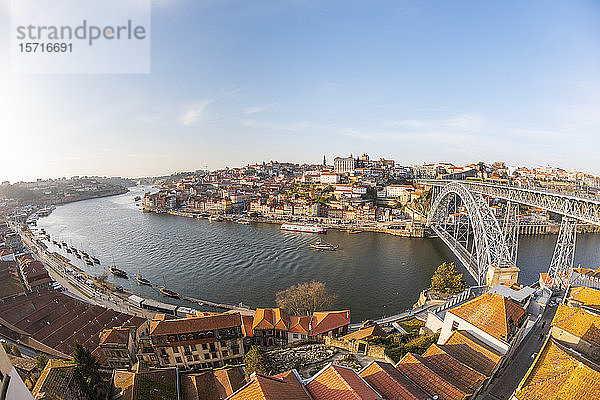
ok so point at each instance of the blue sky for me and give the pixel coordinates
(235, 82)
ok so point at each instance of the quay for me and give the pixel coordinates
(241, 309)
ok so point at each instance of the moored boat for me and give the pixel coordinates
(142, 281)
(88, 262)
(351, 231)
(303, 228)
(168, 292)
(118, 272)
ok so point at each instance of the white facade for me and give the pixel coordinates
(294, 337)
(328, 178)
(343, 165)
(453, 322)
(400, 192)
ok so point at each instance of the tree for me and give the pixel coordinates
(16, 351)
(255, 361)
(40, 362)
(87, 369)
(447, 279)
(305, 298)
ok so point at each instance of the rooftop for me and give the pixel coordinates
(195, 324)
(390, 382)
(586, 296)
(325, 321)
(492, 313)
(335, 382)
(270, 318)
(579, 322)
(287, 386)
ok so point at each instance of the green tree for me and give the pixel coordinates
(255, 361)
(41, 361)
(447, 279)
(16, 351)
(87, 369)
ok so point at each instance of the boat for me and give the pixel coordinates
(118, 272)
(320, 245)
(303, 228)
(55, 243)
(64, 244)
(137, 198)
(86, 255)
(95, 260)
(168, 292)
(242, 221)
(141, 280)
(88, 262)
(68, 250)
(77, 254)
(351, 231)
(215, 218)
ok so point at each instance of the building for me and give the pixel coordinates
(400, 192)
(491, 318)
(270, 327)
(578, 329)
(298, 328)
(118, 346)
(57, 381)
(344, 165)
(211, 385)
(11, 385)
(198, 342)
(288, 385)
(390, 382)
(329, 178)
(584, 297)
(329, 323)
(559, 373)
(340, 383)
(142, 385)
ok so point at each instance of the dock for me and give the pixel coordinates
(240, 309)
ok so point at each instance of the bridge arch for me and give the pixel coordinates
(466, 223)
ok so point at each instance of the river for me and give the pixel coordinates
(373, 274)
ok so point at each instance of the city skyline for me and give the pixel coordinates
(233, 83)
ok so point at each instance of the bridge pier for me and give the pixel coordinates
(561, 265)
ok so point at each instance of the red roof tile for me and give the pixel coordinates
(325, 321)
(340, 383)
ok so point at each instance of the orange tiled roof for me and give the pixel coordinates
(492, 313)
(452, 370)
(115, 336)
(247, 325)
(325, 321)
(340, 383)
(365, 333)
(299, 324)
(417, 371)
(283, 386)
(579, 322)
(270, 318)
(473, 352)
(558, 374)
(391, 383)
(586, 296)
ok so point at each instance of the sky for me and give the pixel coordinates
(237, 82)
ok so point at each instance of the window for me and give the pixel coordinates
(204, 346)
(295, 335)
(207, 356)
(175, 349)
(178, 359)
(454, 325)
(225, 353)
(196, 358)
(189, 358)
(236, 349)
(223, 343)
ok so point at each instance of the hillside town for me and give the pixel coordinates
(68, 335)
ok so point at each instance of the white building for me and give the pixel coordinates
(329, 178)
(400, 192)
(344, 165)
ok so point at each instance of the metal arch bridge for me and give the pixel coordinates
(461, 217)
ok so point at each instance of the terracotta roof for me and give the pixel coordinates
(115, 336)
(556, 373)
(340, 383)
(452, 370)
(492, 313)
(270, 318)
(286, 386)
(473, 352)
(247, 325)
(390, 382)
(579, 322)
(55, 382)
(586, 296)
(196, 324)
(299, 324)
(211, 385)
(417, 371)
(22, 363)
(325, 321)
(365, 333)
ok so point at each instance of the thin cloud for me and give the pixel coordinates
(196, 113)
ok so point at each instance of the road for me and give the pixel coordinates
(504, 384)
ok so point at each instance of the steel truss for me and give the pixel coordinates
(564, 254)
(465, 222)
(510, 228)
(582, 207)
